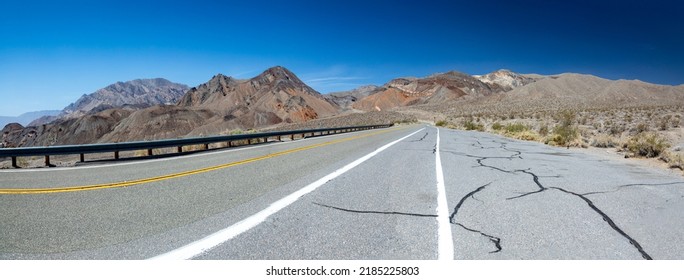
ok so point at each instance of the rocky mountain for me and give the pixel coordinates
(141, 93)
(507, 79)
(587, 91)
(26, 118)
(222, 104)
(433, 89)
(276, 95)
(345, 99)
(504, 90)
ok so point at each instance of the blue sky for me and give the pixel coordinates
(53, 52)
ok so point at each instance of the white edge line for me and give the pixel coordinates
(445, 249)
(200, 246)
(141, 161)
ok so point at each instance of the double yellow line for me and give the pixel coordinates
(180, 174)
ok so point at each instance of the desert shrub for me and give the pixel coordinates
(497, 126)
(528, 135)
(584, 120)
(516, 128)
(646, 145)
(554, 140)
(405, 121)
(674, 122)
(544, 130)
(565, 132)
(469, 125)
(567, 118)
(673, 160)
(441, 123)
(235, 132)
(663, 124)
(641, 127)
(616, 129)
(604, 141)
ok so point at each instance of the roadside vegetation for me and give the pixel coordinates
(635, 132)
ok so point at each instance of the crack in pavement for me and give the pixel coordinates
(535, 178)
(591, 204)
(376, 212)
(542, 188)
(495, 240)
(482, 147)
(479, 160)
(421, 139)
(610, 222)
(633, 185)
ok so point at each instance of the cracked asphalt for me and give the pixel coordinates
(508, 199)
(524, 200)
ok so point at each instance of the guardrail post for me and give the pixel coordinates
(47, 160)
(278, 137)
(230, 144)
(116, 154)
(82, 158)
(180, 149)
(206, 146)
(149, 152)
(265, 139)
(14, 162)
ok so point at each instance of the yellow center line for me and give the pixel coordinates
(180, 174)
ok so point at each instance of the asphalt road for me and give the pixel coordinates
(363, 195)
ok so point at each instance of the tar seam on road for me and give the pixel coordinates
(177, 175)
(445, 246)
(207, 243)
(375, 212)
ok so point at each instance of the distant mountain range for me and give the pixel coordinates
(135, 94)
(159, 109)
(220, 105)
(26, 118)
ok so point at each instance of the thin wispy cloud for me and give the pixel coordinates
(332, 84)
(336, 78)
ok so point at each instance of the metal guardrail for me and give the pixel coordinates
(179, 143)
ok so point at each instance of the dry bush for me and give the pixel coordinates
(673, 160)
(616, 129)
(604, 141)
(641, 127)
(565, 133)
(646, 145)
(544, 130)
(470, 125)
(516, 128)
(528, 135)
(441, 123)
